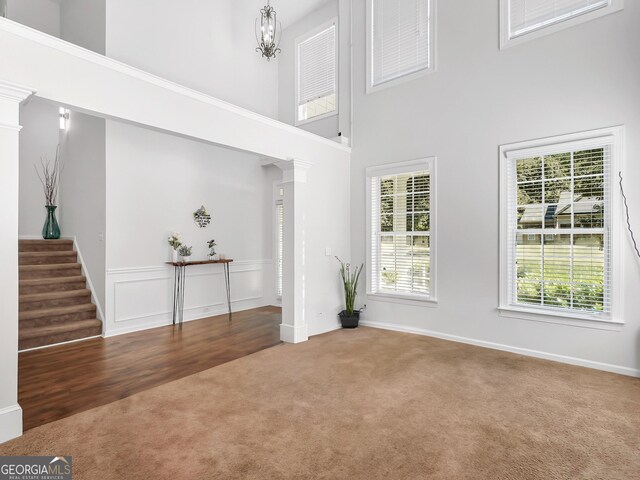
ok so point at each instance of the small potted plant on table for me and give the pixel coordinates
(349, 317)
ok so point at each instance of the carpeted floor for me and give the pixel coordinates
(361, 404)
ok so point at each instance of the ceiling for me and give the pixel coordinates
(290, 11)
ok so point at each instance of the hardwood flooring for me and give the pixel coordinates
(56, 382)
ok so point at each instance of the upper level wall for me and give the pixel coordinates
(43, 15)
(207, 46)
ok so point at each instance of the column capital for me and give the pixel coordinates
(15, 93)
(293, 170)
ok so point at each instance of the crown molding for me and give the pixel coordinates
(15, 93)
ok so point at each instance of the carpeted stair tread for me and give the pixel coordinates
(26, 333)
(45, 245)
(51, 335)
(47, 258)
(53, 270)
(53, 312)
(37, 301)
(51, 284)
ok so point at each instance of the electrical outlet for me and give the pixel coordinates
(328, 252)
(101, 236)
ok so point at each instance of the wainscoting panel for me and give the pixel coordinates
(141, 298)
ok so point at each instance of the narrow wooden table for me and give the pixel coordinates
(179, 270)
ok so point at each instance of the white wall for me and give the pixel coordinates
(583, 78)
(43, 15)
(83, 22)
(208, 46)
(82, 194)
(155, 182)
(39, 138)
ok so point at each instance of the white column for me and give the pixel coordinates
(10, 411)
(294, 180)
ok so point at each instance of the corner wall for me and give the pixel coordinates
(582, 78)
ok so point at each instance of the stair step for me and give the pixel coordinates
(39, 301)
(45, 245)
(56, 315)
(49, 335)
(45, 285)
(48, 271)
(47, 258)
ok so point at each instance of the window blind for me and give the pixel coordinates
(559, 222)
(279, 246)
(528, 15)
(317, 66)
(400, 233)
(400, 38)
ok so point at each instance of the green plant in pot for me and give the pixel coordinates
(349, 317)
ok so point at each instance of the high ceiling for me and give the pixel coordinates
(290, 11)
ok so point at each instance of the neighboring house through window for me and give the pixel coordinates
(316, 74)
(401, 227)
(557, 242)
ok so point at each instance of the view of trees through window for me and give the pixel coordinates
(404, 241)
(560, 238)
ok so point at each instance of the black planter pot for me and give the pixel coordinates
(349, 321)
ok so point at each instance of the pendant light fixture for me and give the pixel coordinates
(268, 33)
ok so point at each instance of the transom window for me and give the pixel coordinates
(557, 209)
(401, 231)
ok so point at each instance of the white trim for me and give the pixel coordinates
(370, 88)
(41, 38)
(429, 164)
(611, 135)
(561, 318)
(302, 38)
(581, 362)
(506, 40)
(294, 333)
(7, 126)
(10, 423)
(13, 92)
(164, 268)
(85, 272)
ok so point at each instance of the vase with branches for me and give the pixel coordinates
(349, 317)
(49, 175)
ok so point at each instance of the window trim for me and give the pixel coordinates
(429, 164)
(506, 40)
(613, 136)
(302, 38)
(370, 87)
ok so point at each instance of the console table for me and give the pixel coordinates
(179, 270)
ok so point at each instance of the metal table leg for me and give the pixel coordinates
(182, 275)
(178, 294)
(227, 284)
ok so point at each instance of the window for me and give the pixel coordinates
(557, 245)
(316, 74)
(525, 19)
(401, 225)
(279, 246)
(400, 41)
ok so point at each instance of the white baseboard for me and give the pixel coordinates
(10, 423)
(293, 334)
(632, 372)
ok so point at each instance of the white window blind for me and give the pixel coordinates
(559, 223)
(316, 70)
(279, 246)
(528, 15)
(400, 260)
(400, 38)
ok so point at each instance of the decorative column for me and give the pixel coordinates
(10, 412)
(294, 181)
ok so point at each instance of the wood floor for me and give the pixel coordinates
(56, 382)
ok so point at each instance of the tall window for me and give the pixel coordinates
(401, 229)
(316, 74)
(557, 226)
(530, 18)
(279, 246)
(400, 38)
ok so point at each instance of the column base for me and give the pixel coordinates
(293, 334)
(10, 423)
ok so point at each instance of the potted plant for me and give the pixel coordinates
(349, 317)
(212, 250)
(175, 243)
(184, 252)
(49, 175)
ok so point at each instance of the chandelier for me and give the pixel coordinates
(269, 34)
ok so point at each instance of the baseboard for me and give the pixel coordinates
(293, 334)
(607, 367)
(10, 423)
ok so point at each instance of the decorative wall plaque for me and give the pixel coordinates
(201, 217)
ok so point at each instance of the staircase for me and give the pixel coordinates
(55, 304)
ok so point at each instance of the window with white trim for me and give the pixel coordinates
(279, 246)
(400, 40)
(316, 74)
(557, 249)
(401, 229)
(521, 19)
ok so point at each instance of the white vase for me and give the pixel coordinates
(174, 255)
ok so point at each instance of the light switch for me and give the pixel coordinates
(328, 252)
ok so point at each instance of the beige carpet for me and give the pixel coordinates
(361, 404)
